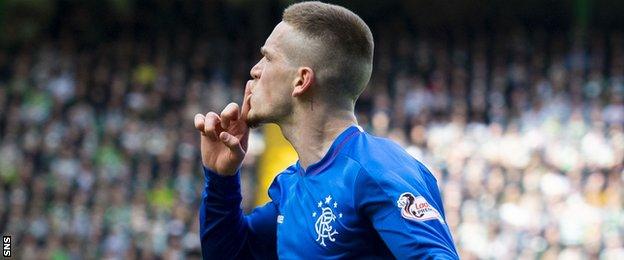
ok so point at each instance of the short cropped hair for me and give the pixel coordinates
(344, 56)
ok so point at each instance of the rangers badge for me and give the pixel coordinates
(325, 219)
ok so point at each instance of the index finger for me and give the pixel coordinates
(246, 100)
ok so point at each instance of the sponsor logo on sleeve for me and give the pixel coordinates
(416, 208)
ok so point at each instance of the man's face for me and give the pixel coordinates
(272, 80)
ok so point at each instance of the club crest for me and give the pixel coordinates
(325, 219)
(417, 208)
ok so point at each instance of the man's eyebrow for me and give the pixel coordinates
(267, 52)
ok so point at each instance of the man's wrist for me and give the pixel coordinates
(212, 176)
(224, 187)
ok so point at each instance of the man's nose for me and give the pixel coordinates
(256, 71)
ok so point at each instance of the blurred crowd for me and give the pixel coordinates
(523, 130)
(525, 137)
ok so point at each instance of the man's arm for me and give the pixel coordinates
(225, 232)
(407, 215)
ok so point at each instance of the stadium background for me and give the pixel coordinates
(516, 106)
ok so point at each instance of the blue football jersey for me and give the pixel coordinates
(366, 198)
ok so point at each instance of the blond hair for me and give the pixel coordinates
(343, 60)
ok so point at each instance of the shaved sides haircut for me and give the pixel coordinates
(339, 50)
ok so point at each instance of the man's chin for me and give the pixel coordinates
(253, 121)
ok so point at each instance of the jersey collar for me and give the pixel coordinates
(333, 151)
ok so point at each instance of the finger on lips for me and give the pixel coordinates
(214, 126)
(246, 97)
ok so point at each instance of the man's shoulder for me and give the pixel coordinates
(384, 161)
(378, 153)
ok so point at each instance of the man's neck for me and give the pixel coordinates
(313, 134)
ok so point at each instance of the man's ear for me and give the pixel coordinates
(303, 81)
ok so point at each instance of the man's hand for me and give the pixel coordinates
(224, 137)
